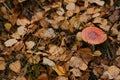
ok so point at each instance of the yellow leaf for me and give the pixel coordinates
(7, 26)
(59, 70)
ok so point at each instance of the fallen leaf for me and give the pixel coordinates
(45, 33)
(22, 30)
(97, 53)
(98, 2)
(49, 62)
(22, 21)
(16, 35)
(10, 42)
(59, 70)
(76, 72)
(60, 11)
(78, 63)
(70, 6)
(20, 78)
(86, 54)
(15, 66)
(2, 65)
(34, 59)
(115, 16)
(61, 78)
(78, 36)
(20, 1)
(7, 26)
(43, 77)
(30, 44)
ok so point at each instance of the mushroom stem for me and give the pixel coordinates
(93, 48)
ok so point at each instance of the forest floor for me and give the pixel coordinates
(42, 40)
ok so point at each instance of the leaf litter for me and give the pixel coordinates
(42, 40)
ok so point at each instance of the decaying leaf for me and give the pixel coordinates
(43, 77)
(18, 46)
(61, 78)
(22, 21)
(60, 11)
(112, 72)
(86, 54)
(70, 1)
(76, 72)
(70, 6)
(98, 2)
(15, 66)
(2, 65)
(118, 51)
(49, 62)
(115, 16)
(30, 44)
(22, 30)
(97, 53)
(20, 1)
(118, 36)
(16, 35)
(78, 36)
(34, 59)
(78, 63)
(45, 33)
(20, 78)
(10, 42)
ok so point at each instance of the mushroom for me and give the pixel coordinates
(93, 35)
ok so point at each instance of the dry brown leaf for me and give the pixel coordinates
(84, 18)
(118, 36)
(18, 46)
(2, 65)
(3, 10)
(69, 13)
(78, 36)
(1, 1)
(60, 11)
(97, 53)
(49, 62)
(30, 44)
(78, 63)
(70, 6)
(70, 1)
(61, 78)
(15, 66)
(43, 77)
(22, 21)
(20, 1)
(64, 25)
(10, 42)
(86, 54)
(21, 30)
(76, 72)
(115, 16)
(112, 72)
(98, 2)
(37, 17)
(34, 59)
(45, 33)
(16, 35)
(20, 78)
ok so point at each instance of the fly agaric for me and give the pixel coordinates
(93, 35)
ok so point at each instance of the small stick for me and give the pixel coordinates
(7, 7)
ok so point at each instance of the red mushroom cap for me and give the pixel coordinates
(93, 35)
